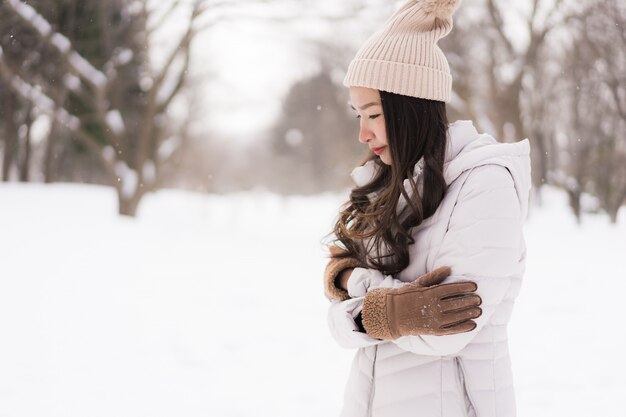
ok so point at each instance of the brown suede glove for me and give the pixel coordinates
(334, 267)
(423, 307)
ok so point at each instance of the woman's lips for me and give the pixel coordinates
(378, 151)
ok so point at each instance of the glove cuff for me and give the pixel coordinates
(334, 268)
(375, 320)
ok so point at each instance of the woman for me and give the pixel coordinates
(432, 231)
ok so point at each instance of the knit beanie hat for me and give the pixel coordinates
(403, 57)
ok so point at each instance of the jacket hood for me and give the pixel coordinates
(467, 149)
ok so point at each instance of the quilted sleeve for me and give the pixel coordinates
(343, 328)
(484, 244)
(342, 314)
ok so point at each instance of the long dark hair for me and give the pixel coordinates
(415, 127)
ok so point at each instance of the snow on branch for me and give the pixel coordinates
(149, 171)
(81, 69)
(37, 97)
(72, 82)
(78, 64)
(108, 153)
(120, 57)
(115, 122)
(127, 177)
(168, 147)
(50, 107)
(62, 44)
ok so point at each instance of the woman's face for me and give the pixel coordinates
(369, 110)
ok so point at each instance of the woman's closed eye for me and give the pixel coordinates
(373, 116)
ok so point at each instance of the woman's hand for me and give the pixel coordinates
(423, 307)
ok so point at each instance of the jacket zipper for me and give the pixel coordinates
(371, 401)
(469, 404)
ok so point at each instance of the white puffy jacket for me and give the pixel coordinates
(477, 231)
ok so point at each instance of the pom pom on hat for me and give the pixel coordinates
(442, 9)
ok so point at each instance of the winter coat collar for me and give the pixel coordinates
(467, 149)
(460, 134)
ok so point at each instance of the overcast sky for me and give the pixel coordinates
(249, 63)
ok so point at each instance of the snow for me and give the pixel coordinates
(108, 153)
(80, 64)
(61, 43)
(71, 81)
(212, 305)
(294, 137)
(149, 171)
(145, 83)
(44, 103)
(168, 147)
(127, 177)
(115, 121)
(87, 71)
(123, 56)
(29, 14)
(40, 129)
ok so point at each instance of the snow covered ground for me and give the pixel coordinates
(213, 306)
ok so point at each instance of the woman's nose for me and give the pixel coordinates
(365, 135)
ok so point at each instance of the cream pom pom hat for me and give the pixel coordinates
(403, 57)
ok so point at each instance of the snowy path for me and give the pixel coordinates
(212, 306)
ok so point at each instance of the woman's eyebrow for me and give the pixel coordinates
(374, 103)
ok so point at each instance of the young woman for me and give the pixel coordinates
(429, 252)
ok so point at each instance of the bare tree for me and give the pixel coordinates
(16, 115)
(494, 66)
(584, 109)
(131, 148)
(602, 46)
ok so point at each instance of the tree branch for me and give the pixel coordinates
(182, 76)
(533, 14)
(58, 113)
(498, 23)
(162, 18)
(182, 46)
(153, 106)
(614, 87)
(75, 61)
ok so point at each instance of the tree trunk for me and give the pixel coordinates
(128, 206)
(613, 209)
(613, 214)
(540, 157)
(574, 203)
(50, 156)
(10, 135)
(24, 161)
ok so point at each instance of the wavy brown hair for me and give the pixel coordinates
(415, 127)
